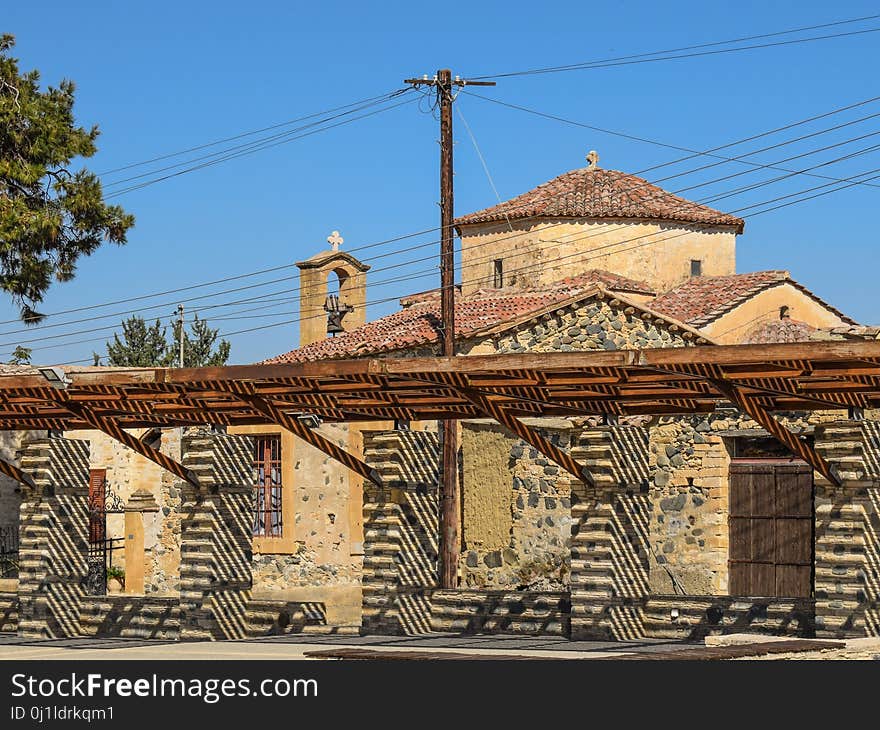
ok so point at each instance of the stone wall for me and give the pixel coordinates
(847, 574)
(696, 617)
(690, 463)
(400, 532)
(601, 323)
(8, 605)
(516, 509)
(541, 613)
(321, 535)
(609, 543)
(131, 617)
(215, 566)
(54, 538)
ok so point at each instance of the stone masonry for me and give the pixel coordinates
(847, 540)
(400, 532)
(54, 538)
(516, 509)
(609, 548)
(215, 566)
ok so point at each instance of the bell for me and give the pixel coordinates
(335, 313)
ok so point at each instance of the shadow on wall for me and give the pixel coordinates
(694, 618)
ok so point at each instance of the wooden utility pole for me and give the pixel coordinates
(450, 497)
(180, 322)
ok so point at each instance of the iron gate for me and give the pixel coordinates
(99, 561)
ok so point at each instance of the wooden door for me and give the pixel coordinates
(771, 529)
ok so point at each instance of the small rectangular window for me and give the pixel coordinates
(696, 267)
(498, 273)
(267, 486)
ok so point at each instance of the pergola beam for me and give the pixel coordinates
(12, 471)
(527, 434)
(114, 431)
(776, 429)
(274, 414)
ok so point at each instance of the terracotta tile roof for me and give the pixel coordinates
(780, 330)
(702, 299)
(9, 369)
(598, 193)
(417, 324)
(848, 332)
(791, 330)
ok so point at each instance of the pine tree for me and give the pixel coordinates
(140, 345)
(148, 346)
(49, 216)
(198, 344)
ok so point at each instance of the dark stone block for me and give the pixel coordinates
(673, 504)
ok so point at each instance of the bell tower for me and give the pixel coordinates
(332, 293)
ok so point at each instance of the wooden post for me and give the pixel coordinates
(450, 498)
(449, 493)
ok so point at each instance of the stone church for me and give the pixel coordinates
(676, 539)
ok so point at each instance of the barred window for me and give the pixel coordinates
(267, 486)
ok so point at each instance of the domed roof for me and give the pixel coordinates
(592, 192)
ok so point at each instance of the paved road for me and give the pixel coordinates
(295, 646)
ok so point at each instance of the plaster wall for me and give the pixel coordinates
(735, 326)
(540, 253)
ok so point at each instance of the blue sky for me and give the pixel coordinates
(162, 77)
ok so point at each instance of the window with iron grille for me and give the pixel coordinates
(267, 486)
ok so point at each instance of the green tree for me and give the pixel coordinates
(143, 345)
(20, 356)
(140, 345)
(49, 216)
(198, 346)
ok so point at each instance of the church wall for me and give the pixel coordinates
(737, 324)
(536, 254)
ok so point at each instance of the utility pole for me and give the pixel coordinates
(180, 321)
(450, 498)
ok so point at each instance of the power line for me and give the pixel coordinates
(665, 55)
(245, 152)
(367, 246)
(259, 142)
(693, 153)
(241, 135)
(592, 253)
(409, 262)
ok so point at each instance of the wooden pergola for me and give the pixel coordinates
(757, 379)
